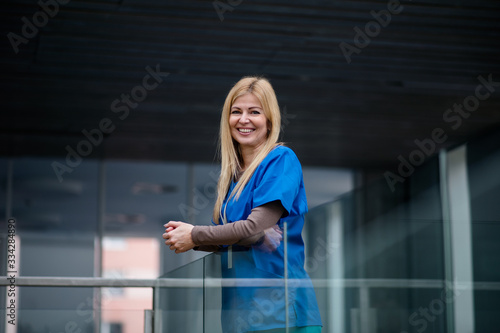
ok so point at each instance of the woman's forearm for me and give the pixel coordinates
(244, 232)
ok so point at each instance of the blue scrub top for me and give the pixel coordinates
(278, 177)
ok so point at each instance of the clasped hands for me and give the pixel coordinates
(178, 237)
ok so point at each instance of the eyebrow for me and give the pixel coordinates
(252, 107)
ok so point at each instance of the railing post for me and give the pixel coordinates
(148, 321)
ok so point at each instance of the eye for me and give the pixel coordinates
(255, 112)
(235, 112)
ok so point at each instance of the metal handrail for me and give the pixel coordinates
(34, 281)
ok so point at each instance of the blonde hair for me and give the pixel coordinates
(229, 149)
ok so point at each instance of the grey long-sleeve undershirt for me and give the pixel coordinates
(243, 232)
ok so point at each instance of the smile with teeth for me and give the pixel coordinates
(245, 130)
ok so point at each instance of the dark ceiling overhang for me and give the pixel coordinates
(348, 100)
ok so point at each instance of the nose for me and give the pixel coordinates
(244, 118)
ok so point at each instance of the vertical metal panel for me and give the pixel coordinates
(335, 266)
(459, 241)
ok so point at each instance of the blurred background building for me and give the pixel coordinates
(108, 130)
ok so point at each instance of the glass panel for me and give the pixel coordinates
(483, 165)
(398, 234)
(203, 194)
(375, 259)
(180, 309)
(63, 309)
(408, 309)
(122, 309)
(213, 293)
(56, 221)
(324, 185)
(242, 297)
(123, 258)
(50, 309)
(487, 308)
(131, 257)
(140, 198)
(484, 184)
(366, 251)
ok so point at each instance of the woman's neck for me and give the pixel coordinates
(248, 155)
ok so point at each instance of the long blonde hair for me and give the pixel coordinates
(229, 149)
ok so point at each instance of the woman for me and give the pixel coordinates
(260, 192)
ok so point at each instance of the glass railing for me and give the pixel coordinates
(61, 320)
(353, 296)
(419, 257)
(46, 304)
(374, 257)
(180, 308)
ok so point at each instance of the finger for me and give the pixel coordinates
(165, 236)
(278, 231)
(173, 224)
(180, 251)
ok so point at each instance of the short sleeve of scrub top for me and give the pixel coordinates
(279, 177)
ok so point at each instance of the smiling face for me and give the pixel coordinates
(248, 123)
